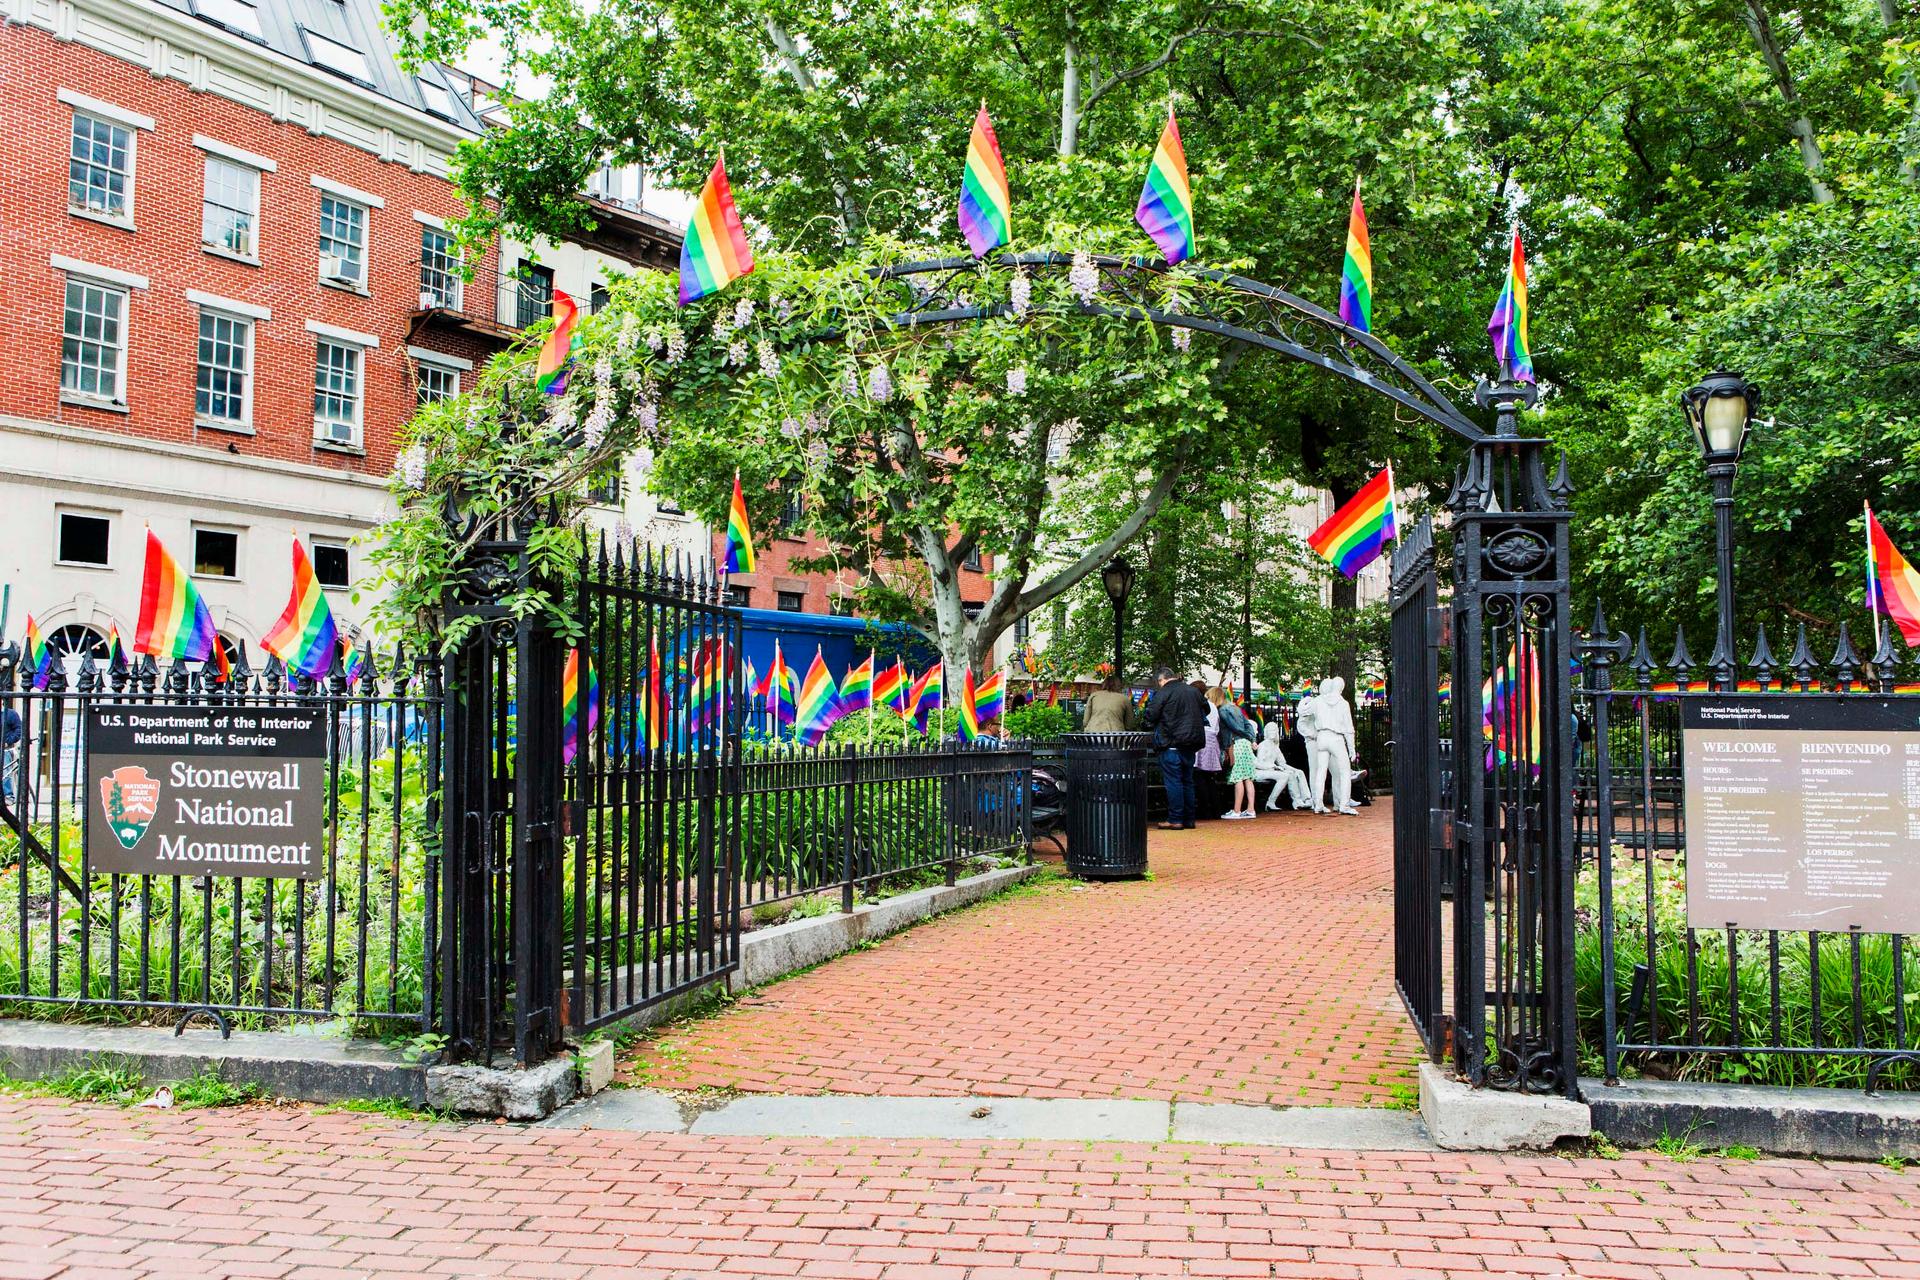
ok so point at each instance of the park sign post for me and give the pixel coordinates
(206, 791)
(1803, 813)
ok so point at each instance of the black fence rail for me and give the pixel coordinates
(844, 819)
(358, 942)
(1830, 1007)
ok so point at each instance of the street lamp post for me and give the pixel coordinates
(1720, 411)
(1117, 578)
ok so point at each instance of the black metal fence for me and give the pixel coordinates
(358, 942)
(1755, 1005)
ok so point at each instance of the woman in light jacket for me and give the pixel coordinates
(1236, 746)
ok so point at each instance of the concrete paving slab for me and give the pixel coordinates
(1320, 1128)
(1038, 1119)
(633, 1110)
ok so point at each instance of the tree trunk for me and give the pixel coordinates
(1910, 144)
(852, 221)
(1070, 95)
(1760, 27)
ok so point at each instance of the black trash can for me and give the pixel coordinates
(1106, 804)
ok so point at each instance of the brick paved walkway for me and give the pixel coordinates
(91, 1191)
(1256, 966)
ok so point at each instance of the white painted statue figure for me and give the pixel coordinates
(1326, 722)
(1269, 765)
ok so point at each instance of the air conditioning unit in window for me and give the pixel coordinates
(340, 271)
(337, 432)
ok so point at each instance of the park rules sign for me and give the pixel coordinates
(206, 791)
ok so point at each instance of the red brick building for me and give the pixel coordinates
(231, 286)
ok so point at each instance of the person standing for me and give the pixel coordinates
(1177, 716)
(1236, 744)
(1109, 709)
(1209, 760)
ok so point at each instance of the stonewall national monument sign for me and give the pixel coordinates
(1803, 812)
(215, 791)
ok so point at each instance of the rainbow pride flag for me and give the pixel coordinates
(1356, 273)
(819, 703)
(986, 202)
(580, 693)
(990, 699)
(116, 649)
(305, 637)
(714, 252)
(739, 533)
(39, 664)
(1508, 325)
(556, 353)
(890, 687)
(925, 697)
(707, 697)
(353, 662)
(776, 690)
(175, 624)
(1165, 211)
(653, 702)
(1510, 717)
(1355, 535)
(969, 709)
(1893, 588)
(856, 691)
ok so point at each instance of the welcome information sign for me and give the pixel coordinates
(206, 791)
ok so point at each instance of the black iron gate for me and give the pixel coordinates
(1420, 822)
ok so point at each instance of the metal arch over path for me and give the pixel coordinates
(1256, 314)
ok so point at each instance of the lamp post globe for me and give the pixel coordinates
(1719, 410)
(1117, 578)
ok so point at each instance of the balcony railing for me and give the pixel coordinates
(492, 303)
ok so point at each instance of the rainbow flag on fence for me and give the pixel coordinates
(986, 202)
(580, 694)
(1510, 716)
(352, 661)
(819, 703)
(116, 649)
(707, 696)
(925, 698)
(856, 691)
(776, 690)
(714, 252)
(305, 637)
(39, 664)
(1508, 325)
(653, 702)
(1165, 211)
(739, 533)
(890, 687)
(990, 699)
(556, 353)
(1893, 588)
(1355, 535)
(175, 624)
(1356, 273)
(969, 716)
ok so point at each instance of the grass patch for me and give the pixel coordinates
(390, 1108)
(208, 1090)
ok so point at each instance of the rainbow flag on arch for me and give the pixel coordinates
(986, 202)
(1356, 272)
(175, 624)
(714, 252)
(1508, 325)
(1165, 211)
(305, 637)
(1355, 535)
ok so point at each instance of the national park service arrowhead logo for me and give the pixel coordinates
(130, 796)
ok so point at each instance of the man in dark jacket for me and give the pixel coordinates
(1177, 715)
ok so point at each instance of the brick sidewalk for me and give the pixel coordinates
(1255, 967)
(92, 1191)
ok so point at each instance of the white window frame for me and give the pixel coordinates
(60, 513)
(73, 395)
(432, 226)
(239, 550)
(244, 423)
(440, 369)
(124, 218)
(315, 542)
(251, 254)
(323, 436)
(363, 286)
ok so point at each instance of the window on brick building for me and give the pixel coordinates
(435, 381)
(100, 173)
(738, 596)
(973, 560)
(216, 552)
(222, 390)
(439, 269)
(343, 242)
(235, 15)
(330, 564)
(790, 601)
(83, 539)
(230, 207)
(598, 299)
(439, 99)
(533, 294)
(337, 390)
(93, 344)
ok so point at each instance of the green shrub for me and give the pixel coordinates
(1037, 722)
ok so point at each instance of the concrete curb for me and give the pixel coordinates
(1836, 1124)
(1463, 1118)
